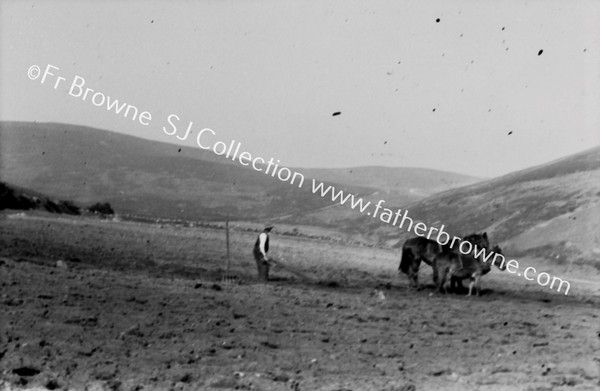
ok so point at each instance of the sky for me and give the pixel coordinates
(481, 88)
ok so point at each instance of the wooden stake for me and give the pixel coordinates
(227, 240)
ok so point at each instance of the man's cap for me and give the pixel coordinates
(268, 228)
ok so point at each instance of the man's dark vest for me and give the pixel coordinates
(257, 244)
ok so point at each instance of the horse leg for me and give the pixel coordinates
(475, 283)
(453, 283)
(413, 273)
(478, 285)
(436, 276)
(442, 279)
(407, 266)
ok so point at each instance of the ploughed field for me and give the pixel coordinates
(143, 307)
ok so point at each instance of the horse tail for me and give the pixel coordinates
(406, 260)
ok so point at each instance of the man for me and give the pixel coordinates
(261, 248)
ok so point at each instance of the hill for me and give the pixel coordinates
(142, 177)
(399, 185)
(550, 211)
(138, 176)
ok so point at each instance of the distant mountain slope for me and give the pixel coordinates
(139, 176)
(551, 211)
(405, 182)
(397, 186)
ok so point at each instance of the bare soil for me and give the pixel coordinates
(102, 305)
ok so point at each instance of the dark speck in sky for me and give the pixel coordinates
(509, 133)
(385, 142)
(437, 20)
(336, 113)
(540, 52)
(503, 28)
(179, 150)
(433, 109)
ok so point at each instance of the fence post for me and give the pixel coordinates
(227, 240)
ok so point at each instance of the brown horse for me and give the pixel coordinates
(419, 249)
(415, 250)
(486, 265)
(460, 266)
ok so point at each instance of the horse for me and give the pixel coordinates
(460, 266)
(415, 251)
(420, 249)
